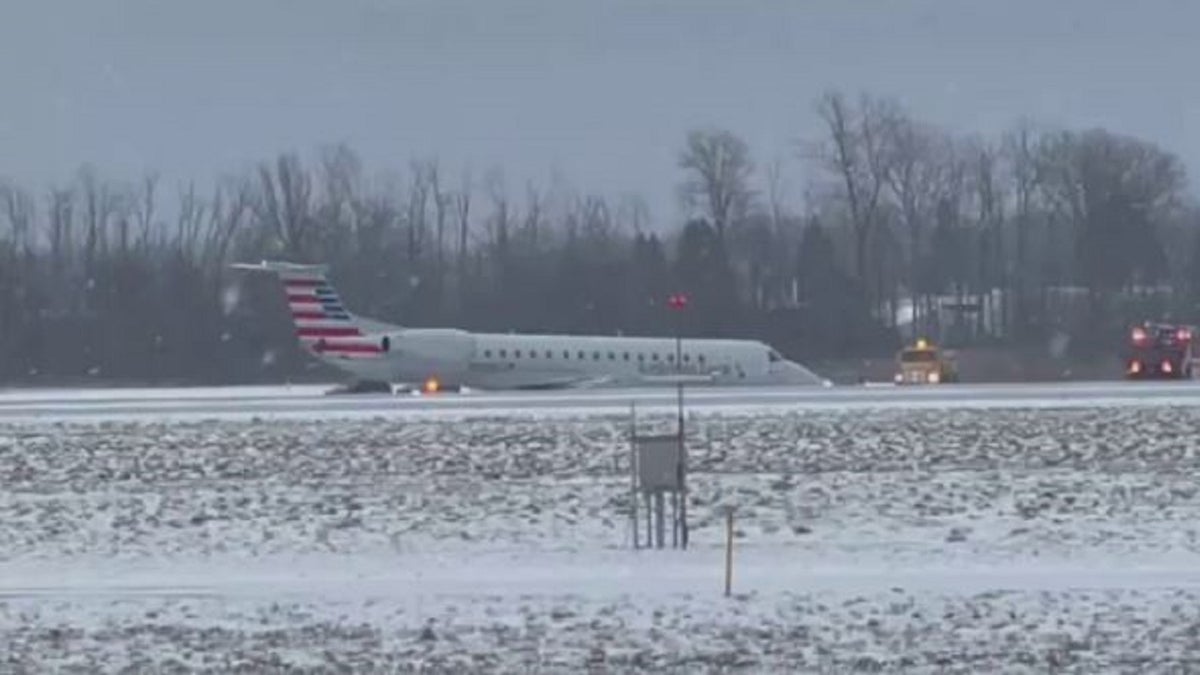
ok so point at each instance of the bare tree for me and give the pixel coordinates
(499, 224)
(1020, 148)
(62, 227)
(144, 212)
(20, 212)
(441, 205)
(189, 225)
(633, 211)
(915, 169)
(232, 205)
(1117, 191)
(340, 205)
(989, 200)
(98, 207)
(775, 193)
(855, 152)
(719, 169)
(341, 170)
(421, 193)
(535, 217)
(961, 266)
(462, 214)
(285, 205)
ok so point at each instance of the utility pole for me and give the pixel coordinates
(678, 302)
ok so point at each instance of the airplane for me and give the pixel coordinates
(451, 359)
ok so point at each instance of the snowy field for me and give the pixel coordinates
(309, 402)
(868, 540)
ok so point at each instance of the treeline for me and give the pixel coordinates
(1040, 236)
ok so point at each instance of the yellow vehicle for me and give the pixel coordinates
(925, 363)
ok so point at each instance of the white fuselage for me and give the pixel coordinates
(371, 350)
(455, 357)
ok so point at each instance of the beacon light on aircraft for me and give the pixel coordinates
(432, 385)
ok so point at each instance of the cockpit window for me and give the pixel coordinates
(774, 356)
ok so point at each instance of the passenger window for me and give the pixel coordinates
(700, 358)
(654, 357)
(533, 353)
(567, 354)
(670, 358)
(626, 356)
(687, 358)
(641, 357)
(612, 356)
(582, 356)
(549, 354)
(487, 353)
(595, 356)
(516, 353)
(503, 353)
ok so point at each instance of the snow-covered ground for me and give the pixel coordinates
(557, 613)
(925, 540)
(310, 402)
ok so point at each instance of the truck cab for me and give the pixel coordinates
(1160, 351)
(925, 363)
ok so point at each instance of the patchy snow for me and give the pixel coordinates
(922, 540)
(923, 629)
(309, 402)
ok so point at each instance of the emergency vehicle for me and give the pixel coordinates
(1160, 351)
(925, 363)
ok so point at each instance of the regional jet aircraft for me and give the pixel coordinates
(448, 358)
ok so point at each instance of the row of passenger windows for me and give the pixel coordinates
(582, 355)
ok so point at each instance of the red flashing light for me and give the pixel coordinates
(678, 301)
(432, 385)
(1139, 334)
(1166, 367)
(1183, 335)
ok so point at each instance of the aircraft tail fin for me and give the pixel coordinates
(323, 323)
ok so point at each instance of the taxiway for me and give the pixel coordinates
(312, 401)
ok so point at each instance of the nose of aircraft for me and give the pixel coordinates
(793, 373)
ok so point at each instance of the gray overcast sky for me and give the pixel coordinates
(602, 92)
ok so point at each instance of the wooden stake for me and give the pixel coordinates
(728, 552)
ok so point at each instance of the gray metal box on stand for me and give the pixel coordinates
(661, 471)
(660, 463)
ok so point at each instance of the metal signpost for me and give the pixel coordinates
(678, 303)
(658, 464)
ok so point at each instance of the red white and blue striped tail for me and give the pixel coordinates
(323, 323)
